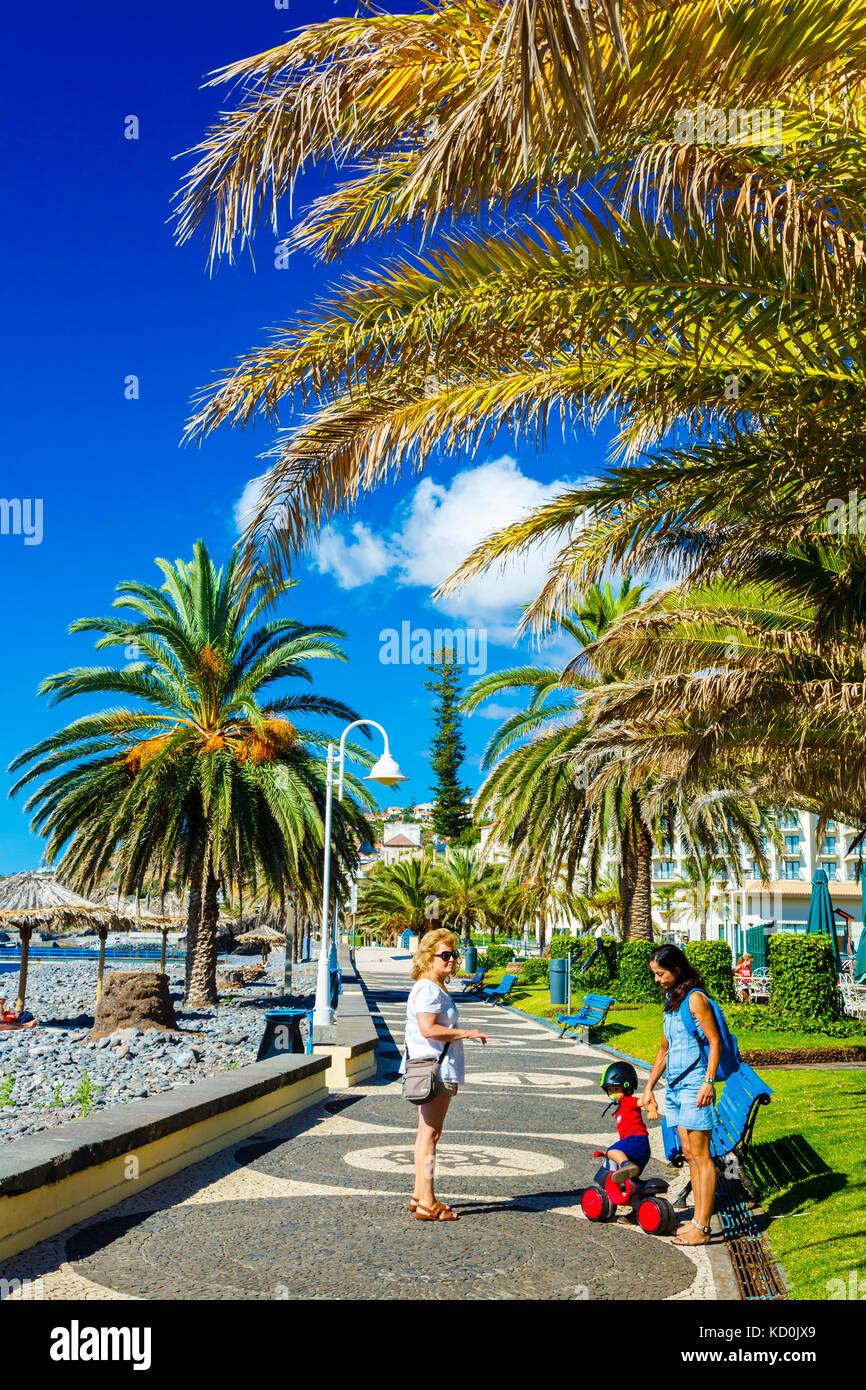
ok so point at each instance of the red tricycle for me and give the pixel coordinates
(654, 1212)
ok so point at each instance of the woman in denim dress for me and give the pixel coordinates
(690, 1062)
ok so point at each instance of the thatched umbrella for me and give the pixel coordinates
(265, 937)
(161, 913)
(31, 900)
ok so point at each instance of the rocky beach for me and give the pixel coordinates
(57, 1072)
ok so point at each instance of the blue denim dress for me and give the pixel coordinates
(681, 1108)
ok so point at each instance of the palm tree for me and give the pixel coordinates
(665, 898)
(761, 679)
(674, 274)
(561, 802)
(393, 897)
(466, 887)
(697, 885)
(203, 773)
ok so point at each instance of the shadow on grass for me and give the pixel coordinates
(789, 1173)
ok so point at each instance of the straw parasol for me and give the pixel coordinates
(264, 936)
(161, 912)
(31, 900)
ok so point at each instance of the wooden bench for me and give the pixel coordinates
(591, 1014)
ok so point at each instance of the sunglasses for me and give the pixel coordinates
(447, 955)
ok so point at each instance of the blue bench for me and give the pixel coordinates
(591, 1014)
(500, 991)
(737, 1108)
(474, 982)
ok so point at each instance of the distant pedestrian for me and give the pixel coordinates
(431, 1031)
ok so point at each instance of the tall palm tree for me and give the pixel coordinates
(393, 897)
(685, 266)
(762, 679)
(561, 803)
(207, 770)
(466, 887)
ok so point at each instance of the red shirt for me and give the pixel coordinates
(628, 1118)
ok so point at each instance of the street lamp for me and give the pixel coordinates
(388, 774)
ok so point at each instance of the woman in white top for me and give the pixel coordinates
(431, 1022)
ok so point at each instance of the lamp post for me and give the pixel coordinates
(388, 773)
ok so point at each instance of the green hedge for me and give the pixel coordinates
(713, 959)
(757, 1018)
(634, 984)
(803, 974)
(603, 970)
(535, 970)
(496, 956)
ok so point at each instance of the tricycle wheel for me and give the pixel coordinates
(596, 1205)
(656, 1216)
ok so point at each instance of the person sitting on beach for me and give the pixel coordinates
(21, 1018)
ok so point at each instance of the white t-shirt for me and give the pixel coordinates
(429, 998)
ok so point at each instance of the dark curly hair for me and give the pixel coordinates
(686, 976)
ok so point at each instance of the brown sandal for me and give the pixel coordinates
(438, 1212)
(413, 1204)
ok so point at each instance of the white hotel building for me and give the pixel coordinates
(783, 899)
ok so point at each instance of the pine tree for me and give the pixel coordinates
(450, 818)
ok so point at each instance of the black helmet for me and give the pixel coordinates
(619, 1076)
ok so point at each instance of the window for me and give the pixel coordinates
(831, 869)
(667, 869)
(792, 844)
(792, 868)
(853, 873)
(788, 820)
(831, 825)
(829, 844)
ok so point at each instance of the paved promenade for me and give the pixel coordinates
(316, 1207)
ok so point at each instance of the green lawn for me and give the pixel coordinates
(638, 1029)
(808, 1160)
(809, 1164)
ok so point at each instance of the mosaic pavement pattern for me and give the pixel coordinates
(315, 1208)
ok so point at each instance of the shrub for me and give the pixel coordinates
(603, 970)
(713, 959)
(535, 970)
(561, 946)
(760, 1018)
(634, 984)
(496, 956)
(803, 974)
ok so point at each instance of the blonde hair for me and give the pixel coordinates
(426, 949)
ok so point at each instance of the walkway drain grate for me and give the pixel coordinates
(754, 1268)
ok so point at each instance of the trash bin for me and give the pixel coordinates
(470, 959)
(336, 987)
(559, 981)
(283, 1033)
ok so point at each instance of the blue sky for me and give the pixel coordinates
(96, 291)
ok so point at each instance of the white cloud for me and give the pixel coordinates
(434, 529)
(494, 711)
(247, 503)
(352, 564)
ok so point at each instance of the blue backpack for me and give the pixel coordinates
(729, 1058)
